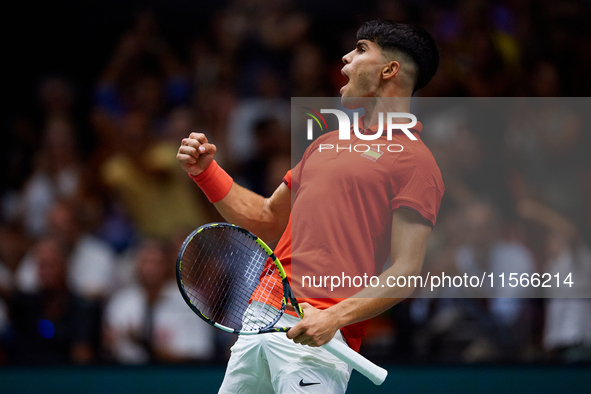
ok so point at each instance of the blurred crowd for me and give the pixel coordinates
(94, 206)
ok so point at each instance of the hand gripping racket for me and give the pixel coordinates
(222, 274)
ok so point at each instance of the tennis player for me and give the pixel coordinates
(391, 203)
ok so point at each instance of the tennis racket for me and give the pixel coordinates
(222, 274)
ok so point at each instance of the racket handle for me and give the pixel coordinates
(371, 371)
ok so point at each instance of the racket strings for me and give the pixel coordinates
(218, 264)
(223, 271)
(202, 283)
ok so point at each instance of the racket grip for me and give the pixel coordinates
(371, 371)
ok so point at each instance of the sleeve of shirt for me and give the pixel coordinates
(417, 185)
(293, 177)
(287, 179)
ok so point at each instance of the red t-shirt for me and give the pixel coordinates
(341, 217)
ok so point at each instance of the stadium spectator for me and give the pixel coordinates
(143, 73)
(57, 175)
(495, 327)
(51, 325)
(90, 271)
(149, 321)
(567, 326)
(144, 176)
(267, 103)
(57, 99)
(13, 246)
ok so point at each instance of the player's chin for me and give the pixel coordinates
(345, 96)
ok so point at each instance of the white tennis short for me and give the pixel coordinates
(272, 364)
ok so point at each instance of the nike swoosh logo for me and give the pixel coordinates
(307, 384)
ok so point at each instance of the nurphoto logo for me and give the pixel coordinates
(345, 130)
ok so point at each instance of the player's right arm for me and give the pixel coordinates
(266, 217)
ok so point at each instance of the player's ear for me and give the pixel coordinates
(390, 69)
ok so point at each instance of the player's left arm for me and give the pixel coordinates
(410, 233)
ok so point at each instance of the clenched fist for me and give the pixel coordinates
(195, 153)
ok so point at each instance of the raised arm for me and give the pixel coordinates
(265, 217)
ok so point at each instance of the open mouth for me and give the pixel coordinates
(343, 73)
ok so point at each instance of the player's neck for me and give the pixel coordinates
(384, 105)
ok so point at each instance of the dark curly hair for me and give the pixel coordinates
(414, 41)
